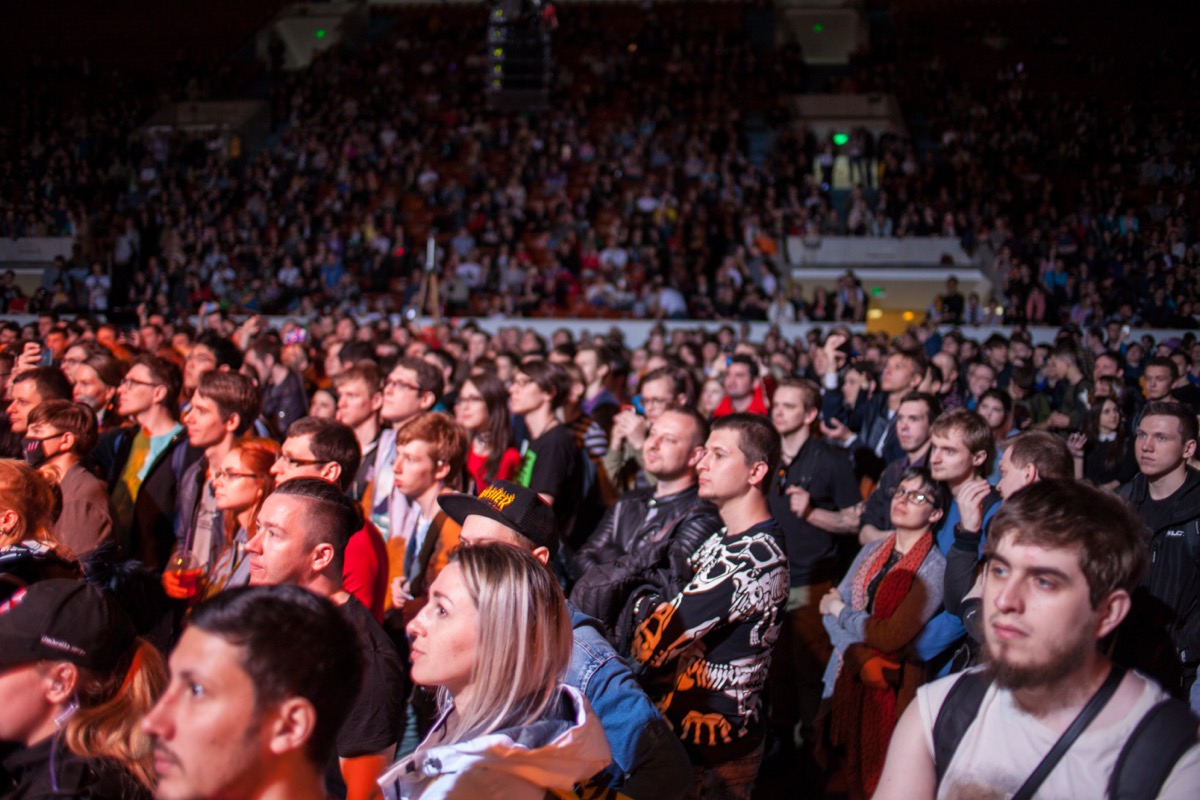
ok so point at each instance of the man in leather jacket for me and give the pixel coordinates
(648, 531)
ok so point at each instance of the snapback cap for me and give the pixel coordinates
(64, 620)
(512, 505)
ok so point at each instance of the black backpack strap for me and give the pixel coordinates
(1160, 739)
(958, 711)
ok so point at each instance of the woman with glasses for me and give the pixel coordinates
(240, 484)
(239, 487)
(892, 589)
(482, 410)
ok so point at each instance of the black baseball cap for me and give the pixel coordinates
(515, 506)
(64, 620)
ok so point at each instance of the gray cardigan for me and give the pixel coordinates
(855, 625)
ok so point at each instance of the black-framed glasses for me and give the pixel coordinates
(915, 497)
(128, 382)
(224, 475)
(391, 383)
(296, 463)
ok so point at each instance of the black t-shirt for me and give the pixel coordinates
(553, 464)
(826, 473)
(376, 720)
(1156, 513)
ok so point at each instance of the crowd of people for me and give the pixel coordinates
(670, 200)
(667, 568)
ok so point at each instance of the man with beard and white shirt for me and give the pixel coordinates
(1063, 560)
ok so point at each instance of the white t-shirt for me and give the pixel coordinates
(1004, 745)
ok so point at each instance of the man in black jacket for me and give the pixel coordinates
(648, 529)
(1163, 634)
(144, 461)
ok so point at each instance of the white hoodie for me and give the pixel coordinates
(565, 748)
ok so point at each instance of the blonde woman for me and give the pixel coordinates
(495, 638)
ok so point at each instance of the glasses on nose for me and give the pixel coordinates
(521, 381)
(463, 401)
(914, 497)
(129, 383)
(224, 475)
(397, 384)
(296, 463)
(655, 402)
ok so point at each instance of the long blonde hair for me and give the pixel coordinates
(108, 721)
(523, 640)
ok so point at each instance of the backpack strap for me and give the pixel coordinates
(958, 711)
(1164, 734)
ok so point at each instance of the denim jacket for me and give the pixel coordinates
(648, 759)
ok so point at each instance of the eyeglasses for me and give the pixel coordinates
(71, 362)
(296, 463)
(397, 384)
(655, 401)
(914, 497)
(521, 381)
(223, 475)
(462, 401)
(129, 383)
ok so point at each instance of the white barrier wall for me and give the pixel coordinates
(860, 251)
(35, 249)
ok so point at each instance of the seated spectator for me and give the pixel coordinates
(482, 411)
(647, 530)
(326, 449)
(1045, 665)
(913, 420)
(28, 550)
(1103, 452)
(744, 391)
(660, 389)
(96, 383)
(61, 434)
(496, 639)
(259, 655)
(301, 537)
(725, 618)
(144, 461)
(77, 681)
(282, 389)
(240, 485)
(892, 589)
(29, 389)
(647, 759)
(430, 454)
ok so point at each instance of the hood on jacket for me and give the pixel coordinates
(557, 752)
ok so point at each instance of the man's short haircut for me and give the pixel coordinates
(1166, 362)
(49, 382)
(330, 440)
(916, 357)
(757, 439)
(1181, 412)
(293, 643)
(681, 379)
(233, 393)
(267, 344)
(330, 518)
(810, 392)
(742, 358)
(67, 417)
(698, 421)
(447, 440)
(429, 377)
(974, 430)
(365, 371)
(1116, 358)
(225, 351)
(165, 372)
(1056, 514)
(995, 340)
(1048, 454)
(933, 406)
(1000, 396)
(550, 378)
(356, 351)
(444, 358)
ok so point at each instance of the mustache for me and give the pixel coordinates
(162, 751)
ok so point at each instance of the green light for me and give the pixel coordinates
(499, 51)
(818, 28)
(320, 33)
(876, 291)
(841, 138)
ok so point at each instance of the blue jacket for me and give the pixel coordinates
(648, 759)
